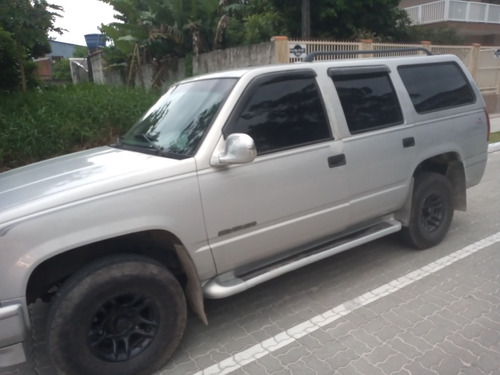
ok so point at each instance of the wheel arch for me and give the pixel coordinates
(447, 164)
(159, 245)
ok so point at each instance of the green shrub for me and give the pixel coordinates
(61, 70)
(52, 121)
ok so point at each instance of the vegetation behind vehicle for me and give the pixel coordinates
(57, 120)
(53, 121)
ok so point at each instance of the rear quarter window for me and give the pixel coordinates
(434, 87)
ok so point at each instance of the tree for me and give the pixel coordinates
(180, 27)
(9, 76)
(342, 19)
(436, 35)
(80, 51)
(253, 21)
(157, 31)
(160, 28)
(152, 31)
(28, 23)
(61, 70)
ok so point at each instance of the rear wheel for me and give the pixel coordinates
(431, 212)
(120, 315)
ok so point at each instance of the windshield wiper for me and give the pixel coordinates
(150, 142)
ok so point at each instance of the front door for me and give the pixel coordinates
(293, 194)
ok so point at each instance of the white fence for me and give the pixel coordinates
(482, 62)
(488, 75)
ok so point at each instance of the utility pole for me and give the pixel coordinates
(306, 19)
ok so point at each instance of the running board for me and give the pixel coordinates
(228, 284)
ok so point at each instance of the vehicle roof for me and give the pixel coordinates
(390, 61)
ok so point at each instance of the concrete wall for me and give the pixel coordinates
(232, 58)
(79, 69)
(492, 102)
(162, 77)
(148, 75)
(175, 70)
(97, 67)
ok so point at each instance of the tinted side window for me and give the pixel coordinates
(436, 86)
(284, 114)
(368, 100)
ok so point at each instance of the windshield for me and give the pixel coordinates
(177, 123)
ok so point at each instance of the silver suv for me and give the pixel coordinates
(229, 180)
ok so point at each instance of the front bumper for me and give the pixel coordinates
(12, 334)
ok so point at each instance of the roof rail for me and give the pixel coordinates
(311, 56)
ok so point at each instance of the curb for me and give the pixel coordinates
(492, 147)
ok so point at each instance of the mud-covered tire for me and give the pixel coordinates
(431, 212)
(121, 315)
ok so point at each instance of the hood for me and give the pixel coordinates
(78, 176)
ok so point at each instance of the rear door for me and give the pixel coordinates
(380, 150)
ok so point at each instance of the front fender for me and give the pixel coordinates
(175, 208)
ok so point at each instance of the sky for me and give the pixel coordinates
(81, 17)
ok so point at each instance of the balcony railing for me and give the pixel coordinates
(454, 10)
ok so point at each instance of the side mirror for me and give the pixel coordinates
(240, 149)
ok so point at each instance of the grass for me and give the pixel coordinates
(47, 122)
(495, 137)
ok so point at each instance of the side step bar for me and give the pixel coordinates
(228, 284)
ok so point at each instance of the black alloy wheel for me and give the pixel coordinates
(122, 315)
(431, 211)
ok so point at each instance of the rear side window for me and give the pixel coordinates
(434, 87)
(368, 99)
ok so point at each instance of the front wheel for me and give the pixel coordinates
(120, 315)
(431, 212)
